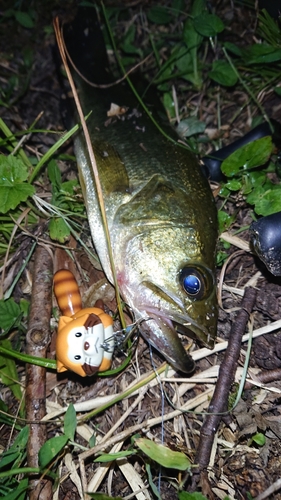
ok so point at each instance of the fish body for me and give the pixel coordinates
(160, 210)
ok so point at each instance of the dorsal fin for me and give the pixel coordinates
(112, 171)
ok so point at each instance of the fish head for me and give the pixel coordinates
(168, 279)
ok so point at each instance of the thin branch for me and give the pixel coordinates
(219, 401)
(37, 341)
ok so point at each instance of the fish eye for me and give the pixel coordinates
(77, 357)
(78, 334)
(193, 282)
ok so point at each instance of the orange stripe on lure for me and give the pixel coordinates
(85, 337)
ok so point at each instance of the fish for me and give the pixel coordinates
(160, 210)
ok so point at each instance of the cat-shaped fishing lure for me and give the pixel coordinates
(85, 338)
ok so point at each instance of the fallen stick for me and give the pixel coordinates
(37, 341)
(219, 401)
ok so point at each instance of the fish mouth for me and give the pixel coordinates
(161, 330)
(162, 317)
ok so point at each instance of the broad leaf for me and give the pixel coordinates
(269, 203)
(223, 73)
(251, 155)
(208, 24)
(59, 230)
(109, 457)
(10, 313)
(50, 449)
(13, 188)
(70, 422)
(8, 372)
(159, 15)
(163, 455)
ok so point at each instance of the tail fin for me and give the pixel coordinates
(85, 45)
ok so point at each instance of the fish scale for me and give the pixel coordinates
(160, 210)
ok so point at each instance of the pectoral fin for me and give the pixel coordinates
(157, 201)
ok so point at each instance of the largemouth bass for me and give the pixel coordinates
(160, 210)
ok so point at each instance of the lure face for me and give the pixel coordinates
(160, 210)
(85, 340)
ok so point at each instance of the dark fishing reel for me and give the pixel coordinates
(265, 234)
(265, 237)
(211, 164)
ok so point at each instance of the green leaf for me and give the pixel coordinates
(177, 6)
(184, 495)
(102, 496)
(151, 483)
(224, 192)
(169, 104)
(128, 44)
(225, 220)
(24, 19)
(54, 175)
(17, 449)
(198, 7)
(11, 197)
(12, 170)
(10, 313)
(190, 126)
(68, 186)
(183, 60)
(50, 449)
(159, 15)
(261, 54)
(192, 40)
(269, 203)
(259, 191)
(251, 155)
(254, 180)
(93, 440)
(9, 457)
(59, 230)
(21, 439)
(70, 422)
(13, 190)
(191, 37)
(233, 185)
(231, 47)
(223, 73)
(208, 24)
(163, 455)
(18, 493)
(5, 418)
(24, 307)
(259, 439)
(8, 372)
(110, 457)
(221, 257)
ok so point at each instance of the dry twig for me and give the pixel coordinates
(226, 376)
(37, 340)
